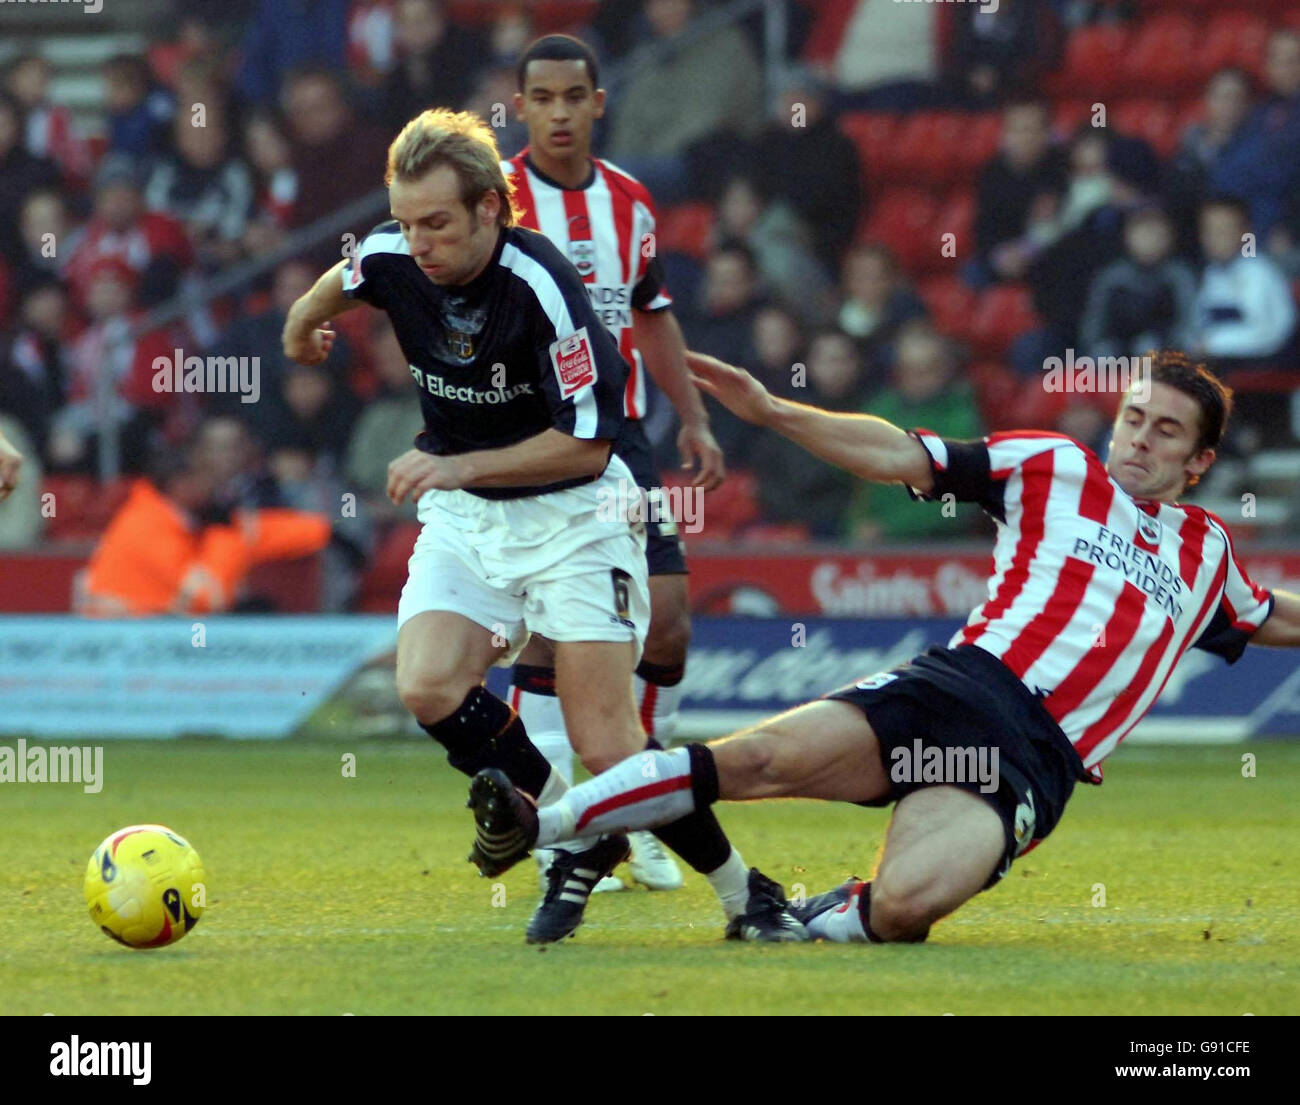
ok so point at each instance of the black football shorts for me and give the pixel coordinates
(964, 703)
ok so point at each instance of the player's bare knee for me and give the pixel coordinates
(431, 696)
(750, 766)
(899, 914)
(601, 756)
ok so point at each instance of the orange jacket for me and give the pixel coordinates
(150, 562)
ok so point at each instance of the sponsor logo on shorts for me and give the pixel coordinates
(574, 363)
(1026, 821)
(955, 764)
(622, 598)
(876, 681)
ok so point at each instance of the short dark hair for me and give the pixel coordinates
(1212, 395)
(739, 249)
(557, 48)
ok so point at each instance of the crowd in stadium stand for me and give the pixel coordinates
(933, 204)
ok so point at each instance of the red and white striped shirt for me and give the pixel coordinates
(1094, 595)
(606, 228)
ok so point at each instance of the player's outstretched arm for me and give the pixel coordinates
(307, 337)
(11, 462)
(868, 447)
(659, 338)
(1282, 629)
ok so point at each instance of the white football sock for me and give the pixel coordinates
(731, 883)
(658, 706)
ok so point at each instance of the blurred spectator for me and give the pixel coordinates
(192, 35)
(804, 160)
(20, 517)
(137, 408)
(1069, 241)
(1264, 166)
(257, 337)
(285, 35)
(371, 46)
(48, 238)
(227, 451)
(888, 57)
(49, 130)
(876, 299)
(1244, 308)
(991, 53)
(266, 146)
(33, 360)
(168, 550)
(1145, 300)
(204, 187)
(437, 62)
(723, 323)
(704, 86)
(121, 228)
(793, 485)
(335, 158)
(21, 173)
(925, 392)
(311, 414)
(139, 111)
(1227, 104)
(781, 245)
(386, 427)
(777, 344)
(1028, 174)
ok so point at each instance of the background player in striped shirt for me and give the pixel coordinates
(1101, 581)
(604, 221)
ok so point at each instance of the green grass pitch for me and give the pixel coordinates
(334, 895)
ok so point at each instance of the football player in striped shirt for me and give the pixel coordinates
(604, 221)
(1101, 581)
(522, 391)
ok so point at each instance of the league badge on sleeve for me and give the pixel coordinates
(574, 362)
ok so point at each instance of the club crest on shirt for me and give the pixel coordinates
(1149, 528)
(461, 344)
(583, 255)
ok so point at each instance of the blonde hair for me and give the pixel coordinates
(462, 140)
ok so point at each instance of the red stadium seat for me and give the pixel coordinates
(727, 509)
(1001, 315)
(902, 219)
(386, 574)
(830, 19)
(1152, 120)
(685, 228)
(1232, 38)
(873, 133)
(1163, 55)
(951, 304)
(1094, 60)
(83, 507)
(926, 147)
(979, 142)
(956, 216)
(1069, 115)
(996, 393)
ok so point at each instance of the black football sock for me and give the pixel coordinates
(697, 837)
(485, 732)
(661, 675)
(864, 913)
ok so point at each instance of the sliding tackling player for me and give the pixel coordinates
(1101, 581)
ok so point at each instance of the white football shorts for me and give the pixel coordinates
(569, 565)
